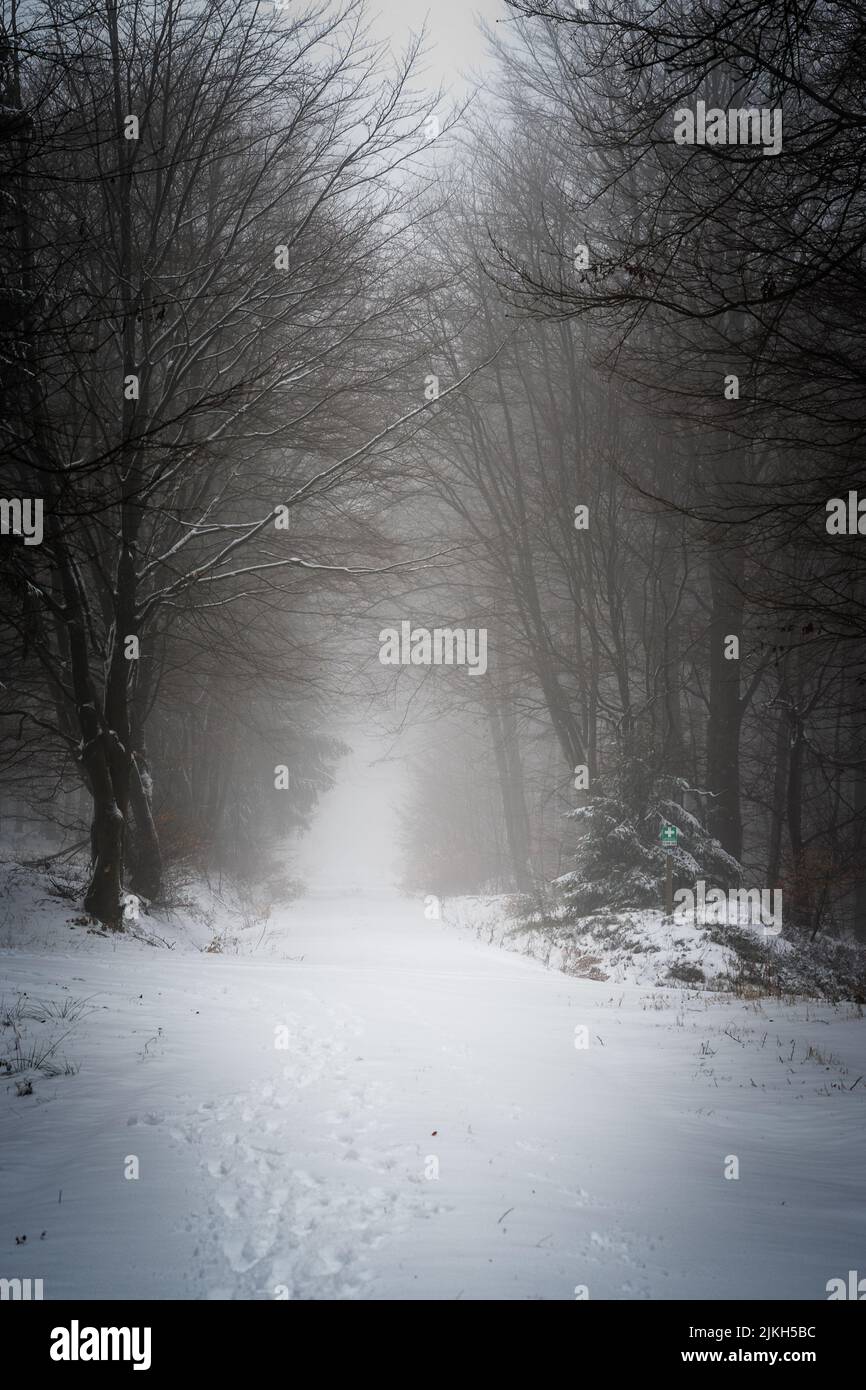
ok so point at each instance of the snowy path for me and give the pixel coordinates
(309, 1168)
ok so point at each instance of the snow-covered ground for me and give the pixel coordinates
(430, 1129)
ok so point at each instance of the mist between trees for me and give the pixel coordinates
(301, 354)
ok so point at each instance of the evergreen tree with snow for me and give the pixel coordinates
(620, 862)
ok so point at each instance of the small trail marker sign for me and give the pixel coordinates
(668, 836)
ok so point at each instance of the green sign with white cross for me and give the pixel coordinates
(668, 834)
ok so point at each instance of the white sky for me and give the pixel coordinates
(455, 44)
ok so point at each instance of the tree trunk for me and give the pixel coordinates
(777, 811)
(146, 865)
(105, 890)
(723, 726)
(510, 773)
(860, 885)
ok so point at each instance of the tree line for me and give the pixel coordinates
(237, 249)
(646, 476)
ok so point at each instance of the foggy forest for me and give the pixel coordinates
(432, 651)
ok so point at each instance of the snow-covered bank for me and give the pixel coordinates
(644, 947)
(40, 911)
(374, 1105)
